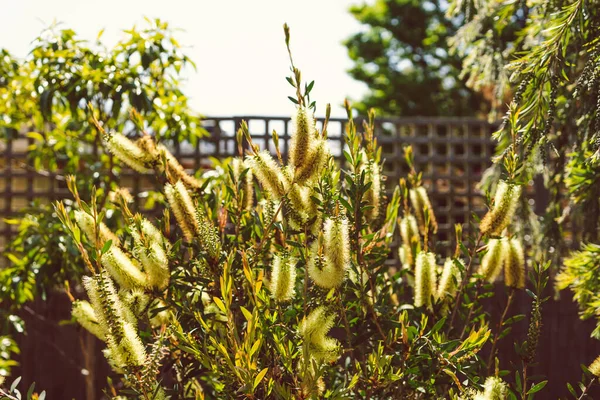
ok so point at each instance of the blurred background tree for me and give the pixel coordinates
(50, 96)
(403, 57)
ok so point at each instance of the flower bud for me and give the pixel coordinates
(514, 263)
(505, 204)
(283, 277)
(425, 279)
(491, 264)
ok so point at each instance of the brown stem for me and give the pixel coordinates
(589, 385)
(497, 335)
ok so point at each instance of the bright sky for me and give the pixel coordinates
(238, 45)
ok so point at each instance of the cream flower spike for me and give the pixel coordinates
(283, 277)
(128, 152)
(313, 330)
(183, 208)
(514, 263)
(84, 314)
(491, 264)
(425, 279)
(268, 173)
(506, 200)
(304, 134)
(124, 270)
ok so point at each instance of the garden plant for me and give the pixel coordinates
(274, 278)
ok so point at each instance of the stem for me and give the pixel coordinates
(589, 385)
(470, 314)
(463, 282)
(496, 336)
(524, 392)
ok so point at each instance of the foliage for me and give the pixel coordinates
(13, 393)
(49, 95)
(290, 295)
(401, 54)
(547, 53)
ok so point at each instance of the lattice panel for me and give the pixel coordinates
(452, 153)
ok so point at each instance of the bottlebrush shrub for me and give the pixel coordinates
(271, 281)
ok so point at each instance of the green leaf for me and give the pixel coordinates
(537, 387)
(15, 384)
(106, 246)
(260, 376)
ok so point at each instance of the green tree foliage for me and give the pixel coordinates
(402, 55)
(549, 59)
(49, 95)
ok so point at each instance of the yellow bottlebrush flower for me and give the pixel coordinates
(247, 194)
(405, 254)
(449, 280)
(124, 270)
(514, 263)
(84, 314)
(268, 173)
(125, 347)
(419, 201)
(595, 367)
(86, 223)
(425, 279)
(299, 206)
(304, 134)
(149, 250)
(337, 242)
(283, 277)
(409, 230)
(120, 195)
(128, 152)
(505, 204)
(328, 267)
(135, 301)
(182, 206)
(494, 388)
(316, 159)
(177, 171)
(313, 330)
(491, 264)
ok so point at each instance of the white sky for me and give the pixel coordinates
(238, 45)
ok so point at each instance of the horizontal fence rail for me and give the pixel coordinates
(452, 153)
